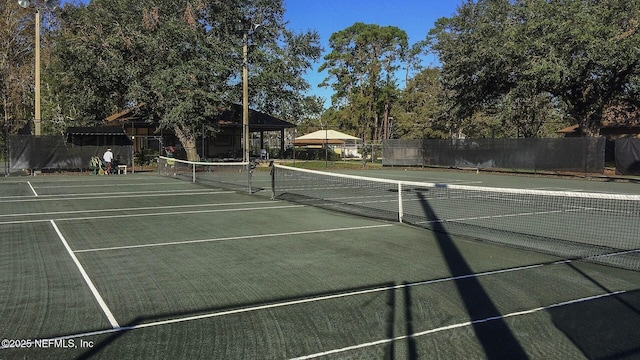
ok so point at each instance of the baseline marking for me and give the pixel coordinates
(96, 294)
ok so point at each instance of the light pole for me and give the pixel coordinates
(245, 26)
(37, 119)
(325, 143)
(245, 94)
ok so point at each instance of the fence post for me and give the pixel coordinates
(400, 209)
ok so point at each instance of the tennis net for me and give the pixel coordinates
(226, 175)
(597, 227)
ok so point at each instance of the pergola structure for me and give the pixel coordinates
(226, 144)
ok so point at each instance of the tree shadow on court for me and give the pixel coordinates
(605, 328)
(134, 324)
(497, 340)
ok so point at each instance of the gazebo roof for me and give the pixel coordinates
(328, 135)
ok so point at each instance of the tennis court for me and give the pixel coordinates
(144, 266)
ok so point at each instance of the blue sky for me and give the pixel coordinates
(415, 17)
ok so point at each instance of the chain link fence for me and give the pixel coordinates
(563, 154)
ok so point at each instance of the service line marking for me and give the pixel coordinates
(32, 189)
(96, 294)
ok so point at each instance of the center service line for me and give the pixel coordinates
(32, 189)
(95, 292)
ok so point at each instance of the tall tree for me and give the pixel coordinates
(581, 53)
(17, 59)
(181, 58)
(361, 67)
(418, 110)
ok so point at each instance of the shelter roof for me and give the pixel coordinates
(258, 121)
(96, 130)
(328, 135)
(126, 114)
(632, 128)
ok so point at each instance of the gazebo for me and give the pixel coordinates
(341, 143)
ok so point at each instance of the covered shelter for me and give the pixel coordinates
(609, 130)
(226, 144)
(344, 144)
(97, 136)
(229, 139)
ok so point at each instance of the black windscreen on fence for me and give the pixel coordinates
(628, 156)
(54, 153)
(562, 154)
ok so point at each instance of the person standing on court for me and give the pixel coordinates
(108, 158)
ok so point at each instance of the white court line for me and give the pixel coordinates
(32, 189)
(133, 209)
(103, 185)
(456, 326)
(83, 179)
(411, 176)
(94, 291)
(355, 293)
(499, 216)
(235, 238)
(152, 214)
(72, 197)
(565, 189)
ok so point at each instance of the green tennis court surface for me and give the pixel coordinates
(143, 266)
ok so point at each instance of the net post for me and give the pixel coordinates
(400, 209)
(249, 175)
(193, 167)
(272, 173)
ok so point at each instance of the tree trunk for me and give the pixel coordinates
(188, 142)
(589, 127)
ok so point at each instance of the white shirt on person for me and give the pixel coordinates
(108, 156)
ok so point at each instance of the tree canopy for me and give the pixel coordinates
(418, 113)
(578, 56)
(361, 67)
(508, 67)
(182, 59)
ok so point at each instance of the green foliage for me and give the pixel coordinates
(538, 57)
(417, 114)
(313, 154)
(309, 117)
(361, 67)
(146, 156)
(182, 59)
(17, 61)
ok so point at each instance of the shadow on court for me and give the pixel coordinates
(98, 347)
(496, 338)
(604, 328)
